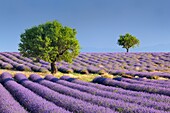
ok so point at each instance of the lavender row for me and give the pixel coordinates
(153, 81)
(149, 75)
(95, 94)
(111, 62)
(21, 65)
(44, 65)
(5, 65)
(135, 64)
(67, 102)
(146, 62)
(132, 81)
(8, 104)
(134, 87)
(143, 75)
(41, 63)
(154, 97)
(32, 102)
(35, 66)
(16, 65)
(18, 56)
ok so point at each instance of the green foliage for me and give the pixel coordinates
(50, 41)
(128, 41)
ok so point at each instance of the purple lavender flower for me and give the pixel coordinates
(32, 102)
(67, 102)
(154, 97)
(8, 104)
(134, 87)
(112, 95)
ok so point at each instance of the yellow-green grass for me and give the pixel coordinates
(84, 77)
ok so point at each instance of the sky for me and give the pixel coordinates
(98, 23)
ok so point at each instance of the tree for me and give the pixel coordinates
(51, 42)
(127, 41)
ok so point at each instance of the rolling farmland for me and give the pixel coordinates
(134, 88)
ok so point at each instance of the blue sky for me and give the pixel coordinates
(98, 22)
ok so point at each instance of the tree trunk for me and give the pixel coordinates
(53, 68)
(37, 60)
(127, 50)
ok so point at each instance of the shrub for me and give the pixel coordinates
(6, 66)
(65, 69)
(42, 69)
(84, 71)
(23, 68)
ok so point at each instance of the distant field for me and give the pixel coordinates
(149, 65)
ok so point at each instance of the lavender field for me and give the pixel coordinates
(65, 94)
(135, 86)
(149, 65)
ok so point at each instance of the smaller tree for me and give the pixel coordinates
(128, 41)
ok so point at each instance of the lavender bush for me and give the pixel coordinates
(67, 102)
(32, 102)
(8, 104)
(134, 87)
(154, 97)
(112, 95)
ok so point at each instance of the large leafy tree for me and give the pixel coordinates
(128, 41)
(51, 42)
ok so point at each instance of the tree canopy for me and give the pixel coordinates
(51, 42)
(128, 41)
